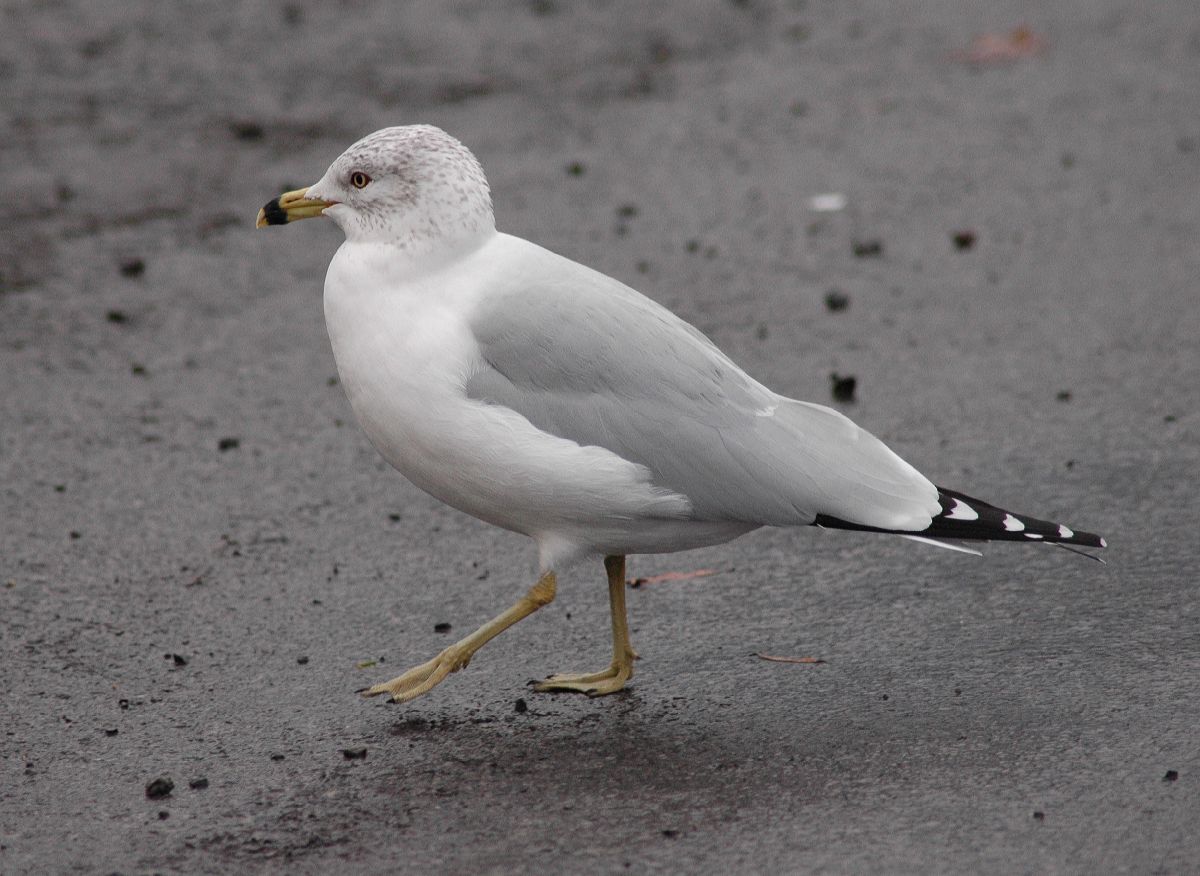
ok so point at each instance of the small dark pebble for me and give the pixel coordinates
(867, 249)
(178, 659)
(843, 386)
(159, 788)
(60, 488)
(627, 211)
(198, 784)
(163, 815)
(963, 240)
(247, 130)
(228, 444)
(359, 753)
(303, 661)
(394, 517)
(836, 300)
(1063, 395)
(133, 268)
(1171, 776)
(1169, 418)
(124, 704)
(137, 368)
(576, 168)
(74, 534)
(520, 706)
(111, 731)
(670, 834)
(692, 245)
(1039, 816)
(442, 627)
(117, 316)
(278, 757)
(883, 696)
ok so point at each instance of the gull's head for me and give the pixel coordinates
(413, 186)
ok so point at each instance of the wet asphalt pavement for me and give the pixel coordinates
(201, 557)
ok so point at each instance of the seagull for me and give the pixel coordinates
(549, 399)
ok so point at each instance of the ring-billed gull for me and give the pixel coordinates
(541, 396)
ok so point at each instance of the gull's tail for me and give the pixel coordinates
(963, 518)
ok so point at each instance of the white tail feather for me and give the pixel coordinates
(945, 545)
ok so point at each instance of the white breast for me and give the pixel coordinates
(404, 352)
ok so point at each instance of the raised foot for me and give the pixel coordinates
(594, 684)
(424, 678)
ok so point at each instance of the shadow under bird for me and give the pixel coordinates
(552, 400)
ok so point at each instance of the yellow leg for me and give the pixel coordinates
(612, 679)
(422, 679)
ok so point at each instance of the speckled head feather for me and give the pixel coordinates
(425, 189)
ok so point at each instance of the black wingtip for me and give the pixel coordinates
(965, 518)
(273, 214)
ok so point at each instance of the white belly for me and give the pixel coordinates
(404, 351)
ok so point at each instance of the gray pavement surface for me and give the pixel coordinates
(200, 553)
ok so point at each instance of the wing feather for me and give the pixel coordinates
(586, 358)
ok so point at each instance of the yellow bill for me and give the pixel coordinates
(289, 207)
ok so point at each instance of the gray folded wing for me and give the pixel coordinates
(591, 360)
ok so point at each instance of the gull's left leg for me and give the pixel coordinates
(612, 679)
(421, 679)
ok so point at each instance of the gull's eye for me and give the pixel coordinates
(359, 180)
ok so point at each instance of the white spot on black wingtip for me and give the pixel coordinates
(1033, 535)
(1103, 543)
(1012, 524)
(1064, 531)
(961, 511)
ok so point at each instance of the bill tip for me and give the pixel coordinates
(271, 214)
